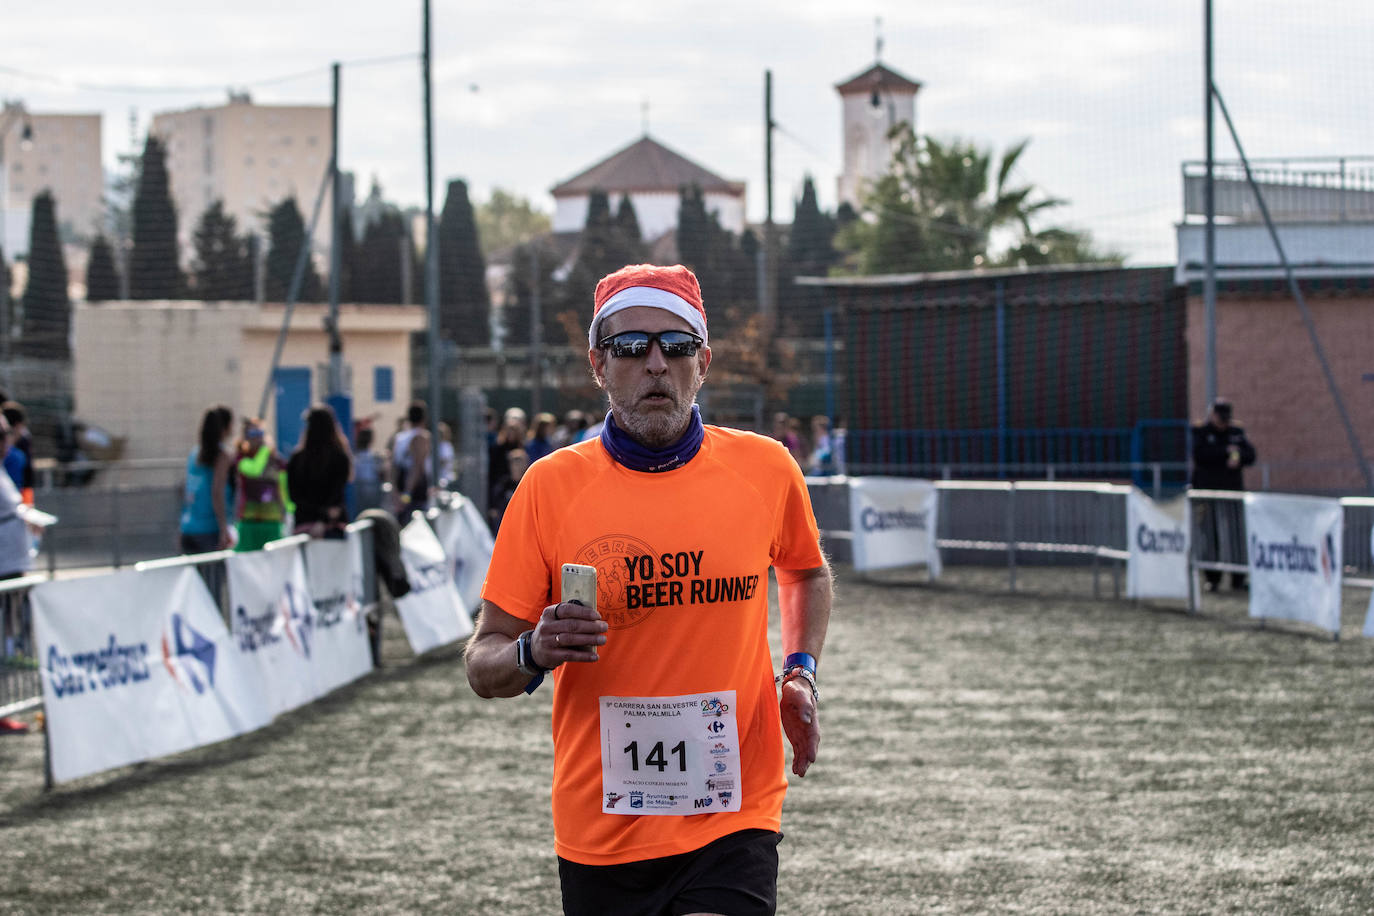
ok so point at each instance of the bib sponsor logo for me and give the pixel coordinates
(714, 707)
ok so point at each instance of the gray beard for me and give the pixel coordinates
(654, 429)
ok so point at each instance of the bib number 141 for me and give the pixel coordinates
(657, 757)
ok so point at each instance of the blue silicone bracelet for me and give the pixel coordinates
(800, 659)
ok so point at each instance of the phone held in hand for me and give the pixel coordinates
(579, 584)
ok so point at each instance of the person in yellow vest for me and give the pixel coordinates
(263, 501)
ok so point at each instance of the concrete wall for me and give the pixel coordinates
(373, 336)
(146, 371)
(1267, 367)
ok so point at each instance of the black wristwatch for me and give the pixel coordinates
(524, 658)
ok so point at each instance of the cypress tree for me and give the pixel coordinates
(47, 310)
(810, 248)
(598, 253)
(376, 272)
(464, 302)
(154, 272)
(598, 248)
(693, 229)
(629, 239)
(286, 235)
(348, 255)
(810, 252)
(515, 317)
(222, 268)
(6, 305)
(102, 278)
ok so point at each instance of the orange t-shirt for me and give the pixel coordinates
(682, 563)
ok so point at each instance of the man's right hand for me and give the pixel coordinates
(567, 632)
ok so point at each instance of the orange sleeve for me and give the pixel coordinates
(796, 544)
(520, 575)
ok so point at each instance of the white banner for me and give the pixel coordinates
(1157, 536)
(273, 622)
(1294, 544)
(1369, 614)
(893, 520)
(468, 544)
(340, 652)
(432, 613)
(137, 665)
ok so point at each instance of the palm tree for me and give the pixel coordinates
(950, 205)
(964, 206)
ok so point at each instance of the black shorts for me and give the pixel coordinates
(736, 875)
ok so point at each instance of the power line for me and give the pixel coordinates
(130, 89)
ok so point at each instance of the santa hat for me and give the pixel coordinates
(673, 289)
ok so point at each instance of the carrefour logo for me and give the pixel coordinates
(188, 656)
(425, 576)
(1161, 540)
(892, 519)
(110, 665)
(290, 617)
(1294, 556)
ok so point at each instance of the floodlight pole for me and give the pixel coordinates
(536, 336)
(335, 253)
(1209, 275)
(768, 289)
(431, 262)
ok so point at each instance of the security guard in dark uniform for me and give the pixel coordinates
(1220, 454)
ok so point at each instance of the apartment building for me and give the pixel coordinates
(250, 156)
(55, 152)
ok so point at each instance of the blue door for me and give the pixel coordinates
(293, 399)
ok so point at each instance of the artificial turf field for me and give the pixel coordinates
(981, 752)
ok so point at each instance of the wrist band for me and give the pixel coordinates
(800, 660)
(797, 671)
(534, 683)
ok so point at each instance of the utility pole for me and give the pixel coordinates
(431, 263)
(768, 304)
(335, 253)
(536, 336)
(1209, 276)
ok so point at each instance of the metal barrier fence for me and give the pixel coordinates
(21, 688)
(1082, 524)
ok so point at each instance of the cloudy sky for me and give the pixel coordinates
(530, 92)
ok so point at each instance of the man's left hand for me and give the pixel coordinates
(800, 722)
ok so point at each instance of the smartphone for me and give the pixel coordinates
(579, 584)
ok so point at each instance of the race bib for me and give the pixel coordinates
(670, 755)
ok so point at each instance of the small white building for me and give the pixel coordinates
(146, 371)
(874, 102)
(651, 175)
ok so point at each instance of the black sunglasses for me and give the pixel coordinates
(635, 344)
